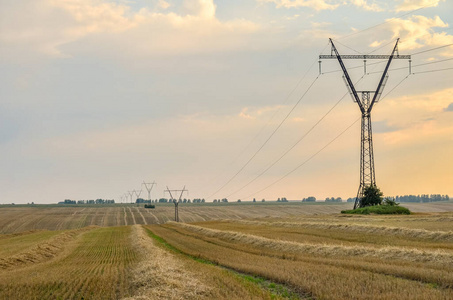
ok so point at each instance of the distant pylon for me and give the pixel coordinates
(365, 102)
(131, 193)
(176, 202)
(149, 187)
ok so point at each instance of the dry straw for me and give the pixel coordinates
(160, 275)
(408, 254)
(42, 251)
(384, 230)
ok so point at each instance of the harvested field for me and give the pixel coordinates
(357, 261)
(25, 251)
(112, 263)
(163, 274)
(14, 219)
(93, 266)
(271, 251)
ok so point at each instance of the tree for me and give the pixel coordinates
(309, 199)
(372, 195)
(390, 202)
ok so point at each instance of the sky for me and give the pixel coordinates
(222, 97)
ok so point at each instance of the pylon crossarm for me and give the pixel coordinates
(365, 56)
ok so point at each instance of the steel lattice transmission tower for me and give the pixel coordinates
(365, 103)
(176, 202)
(149, 187)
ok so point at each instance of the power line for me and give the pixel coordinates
(348, 47)
(431, 71)
(402, 68)
(320, 150)
(377, 25)
(272, 117)
(262, 129)
(268, 139)
(419, 65)
(391, 42)
(306, 161)
(356, 67)
(291, 148)
(295, 144)
(432, 49)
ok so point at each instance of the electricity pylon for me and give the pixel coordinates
(131, 193)
(138, 193)
(365, 103)
(174, 200)
(149, 188)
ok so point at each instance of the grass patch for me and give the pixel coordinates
(276, 289)
(174, 249)
(379, 210)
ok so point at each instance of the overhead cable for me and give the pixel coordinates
(267, 140)
(295, 144)
(320, 150)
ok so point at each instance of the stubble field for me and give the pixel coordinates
(225, 252)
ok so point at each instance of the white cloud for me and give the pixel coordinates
(46, 25)
(163, 4)
(415, 32)
(43, 26)
(261, 112)
(314, 4)
(323, 4)
(244, 114)
(408, 5)
(364, 4)
(420, 118)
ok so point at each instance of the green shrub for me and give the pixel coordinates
(372, 195)
(380, 210)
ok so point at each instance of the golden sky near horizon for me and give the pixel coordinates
(99, 95)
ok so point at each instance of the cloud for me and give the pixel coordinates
(163, 4)
(323, 4)
(48, 26)
(407, 5)
(417, 118)
(415, 32)
(245, 115)
(261, 112)
(364, 4)
(449, 107)
(314, 4)
(42, 26)
(298, 120)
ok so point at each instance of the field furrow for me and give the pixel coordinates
(95, 269)
(40, 250)
(349, 277)
(154, 219)
(142, 216)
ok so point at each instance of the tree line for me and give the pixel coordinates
(97, 201)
